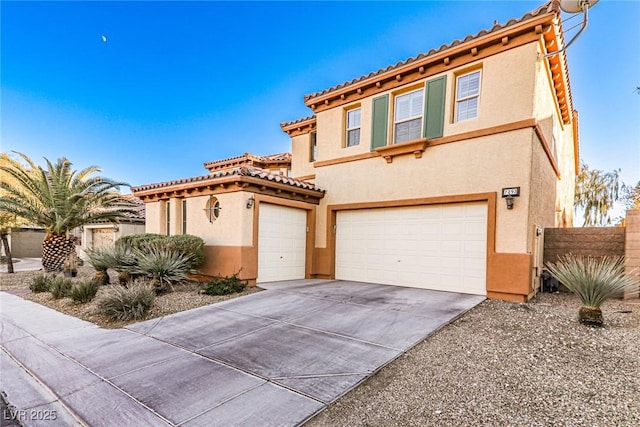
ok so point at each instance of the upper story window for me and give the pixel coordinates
(407, 118)
(467, 96)
(313, 148)
(353, 127)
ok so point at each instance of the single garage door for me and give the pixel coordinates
(282, 239)
(442, 247)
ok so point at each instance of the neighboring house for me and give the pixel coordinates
(101, 234)
(399, 175)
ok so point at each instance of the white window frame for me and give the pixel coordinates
(460, 99)
(419, 116)
(354, 127)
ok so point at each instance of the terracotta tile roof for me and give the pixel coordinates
(239, 171)
(138, 214)
(249, 158)
(295, 122)
(552, 6)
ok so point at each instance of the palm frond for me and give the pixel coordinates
(58, 198)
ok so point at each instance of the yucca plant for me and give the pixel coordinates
(163, 266)
(593, 280)
(84, 291)
(134, 302)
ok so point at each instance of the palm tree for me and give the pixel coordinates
(60, 199)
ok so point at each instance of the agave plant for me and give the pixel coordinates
(123, 260)
(164, 266)
(593, 280)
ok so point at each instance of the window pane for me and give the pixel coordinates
(353, 137)
(353, 118)
(408, 131)
(468, 85)
(467, 109)
(409, 105)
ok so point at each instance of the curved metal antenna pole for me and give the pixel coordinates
(585, 22)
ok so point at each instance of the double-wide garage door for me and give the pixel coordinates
(282, 239)
(442, 247)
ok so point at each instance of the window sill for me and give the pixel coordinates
(412, 147)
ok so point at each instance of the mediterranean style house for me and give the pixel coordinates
(438, 172)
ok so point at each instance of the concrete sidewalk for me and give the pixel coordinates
(23, 264)
(272, 358)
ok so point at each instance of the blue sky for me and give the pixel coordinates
(180, 83)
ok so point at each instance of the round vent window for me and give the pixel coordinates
(212, 208)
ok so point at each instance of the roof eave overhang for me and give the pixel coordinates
(299, 127)
(527, 31)
(229, 184)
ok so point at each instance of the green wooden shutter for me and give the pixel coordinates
(434, 107)
(379, 121)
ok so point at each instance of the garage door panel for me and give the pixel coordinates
(439, 247)
(282, 239)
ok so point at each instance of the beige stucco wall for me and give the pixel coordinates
(547, 113)
(479, 165)
(542, 201)
(300, 150)
(232, 228)
(152, 217)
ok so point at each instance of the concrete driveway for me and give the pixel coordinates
(276, 357)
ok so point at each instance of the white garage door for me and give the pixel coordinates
(282, 238)
(442, 247)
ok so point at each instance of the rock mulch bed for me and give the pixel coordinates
(184, 297)
(509, 365)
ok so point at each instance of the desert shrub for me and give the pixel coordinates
(84, 291)
(593, 280)
(130, 303)
(164, 266)
(188, 245)
(139, 241)
(60, 286)
(40, 283)
(224, 285)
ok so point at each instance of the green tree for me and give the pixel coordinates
(59, 199)
(631, 196)
(596, 192)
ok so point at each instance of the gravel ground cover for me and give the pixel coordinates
(501, 364)
(505, 364)
(184, 297)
